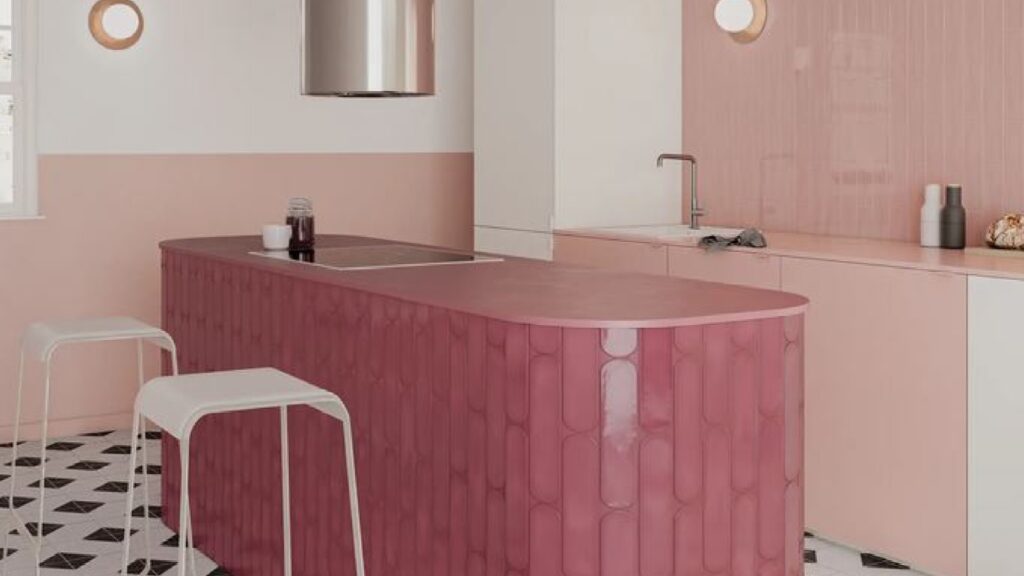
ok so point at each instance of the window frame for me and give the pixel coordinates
(25, 32)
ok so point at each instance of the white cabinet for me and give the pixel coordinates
(514, 161)
(996, 426)
(573, 102)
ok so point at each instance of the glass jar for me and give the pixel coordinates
(300, 218)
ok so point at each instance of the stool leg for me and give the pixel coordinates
(353, 496)
(130, 498)
(14, 453)
(286, 498)
(42, 460)
(136, 441)
(191, 544)
(184, 522)
(174, 359)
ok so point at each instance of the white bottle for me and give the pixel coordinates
(931, 216)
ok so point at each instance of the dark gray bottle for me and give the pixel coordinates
(953, 219)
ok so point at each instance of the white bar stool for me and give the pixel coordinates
(177, 403)
(39, 342)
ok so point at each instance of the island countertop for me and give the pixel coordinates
(524, 291)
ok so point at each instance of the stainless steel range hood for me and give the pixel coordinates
(367, 48)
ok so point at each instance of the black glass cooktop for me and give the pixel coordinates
(377, 256)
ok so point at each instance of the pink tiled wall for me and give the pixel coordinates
(486, 447)
(835, 119)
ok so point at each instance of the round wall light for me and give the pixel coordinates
(744, 20)
(116, 24)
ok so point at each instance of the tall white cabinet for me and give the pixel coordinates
(573, 101)
(995, 426)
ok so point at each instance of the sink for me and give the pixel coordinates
(671, 232)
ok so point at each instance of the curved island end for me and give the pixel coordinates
(511, 418)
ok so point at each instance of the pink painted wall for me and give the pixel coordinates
(96, 251)
(835, 119)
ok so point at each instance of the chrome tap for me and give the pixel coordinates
(696, 212)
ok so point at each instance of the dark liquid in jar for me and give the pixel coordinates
(302, 232)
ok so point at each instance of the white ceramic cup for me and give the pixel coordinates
(276, 236)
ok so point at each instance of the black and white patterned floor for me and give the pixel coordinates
(84, 521)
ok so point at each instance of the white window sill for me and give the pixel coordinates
(13, 217)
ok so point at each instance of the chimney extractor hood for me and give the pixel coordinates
(365, 48)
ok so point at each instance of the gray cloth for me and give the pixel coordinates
(751, 238)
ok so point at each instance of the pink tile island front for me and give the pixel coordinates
(511, 418)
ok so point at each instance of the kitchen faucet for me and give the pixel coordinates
(695, 210)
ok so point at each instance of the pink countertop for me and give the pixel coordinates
(526, 291)
(855, 250)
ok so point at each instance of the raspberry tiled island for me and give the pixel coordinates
(511, 418)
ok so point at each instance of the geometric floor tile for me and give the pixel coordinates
(824, 558)
(154, 511)
(67, 561)
(108, 535)
(155, 566)
(33, 528)
(98, 434)
(26, 462)
(121, 487)
(86, 527)
(89, 465)
(78, 507)
(64, 446)
(53, 483)
(123, 450)
(873, 561)
(19, 501)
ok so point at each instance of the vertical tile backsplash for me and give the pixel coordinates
(833, 121)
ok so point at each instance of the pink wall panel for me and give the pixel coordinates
(491, 448)
(837, 117)
(105, 214)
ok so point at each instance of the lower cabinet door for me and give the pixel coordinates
(726, 266)
(886, 420)
(616, 255)
(996, 421)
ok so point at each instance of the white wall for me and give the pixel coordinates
(215, 76)
(618, 105)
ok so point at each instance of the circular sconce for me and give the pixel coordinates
(116, 24)
(744, 20)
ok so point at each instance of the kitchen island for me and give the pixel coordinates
(510, 417)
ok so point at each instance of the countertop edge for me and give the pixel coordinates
(269, 265)
(1000, 266)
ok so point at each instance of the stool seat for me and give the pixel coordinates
(175, 403)
(41, 338)
(38, 343)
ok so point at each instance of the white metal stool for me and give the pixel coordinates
(177, 403)
(39, 342)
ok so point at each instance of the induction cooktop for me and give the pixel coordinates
(377, 256)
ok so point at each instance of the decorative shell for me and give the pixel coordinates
(1007, 233)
